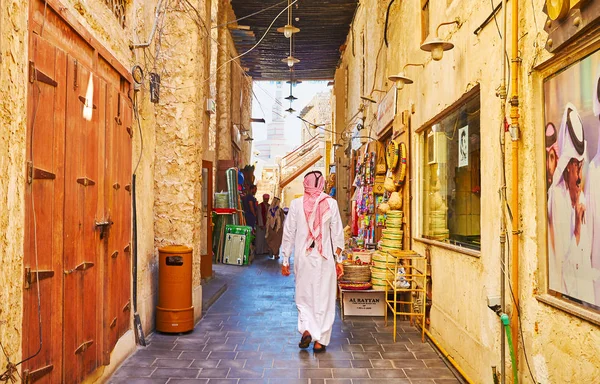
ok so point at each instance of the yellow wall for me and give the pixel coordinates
(13, 93)
(560, 347)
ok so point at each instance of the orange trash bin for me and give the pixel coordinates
(174, 312)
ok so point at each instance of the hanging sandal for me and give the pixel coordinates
(321, 349)
(305, 341)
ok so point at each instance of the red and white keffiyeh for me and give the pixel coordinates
(316, 209)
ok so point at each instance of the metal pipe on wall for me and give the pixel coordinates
(514, 133)
(503, 95)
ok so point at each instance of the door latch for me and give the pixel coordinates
(103, 226)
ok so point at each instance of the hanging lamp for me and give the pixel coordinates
(288, 30)
(400, 79)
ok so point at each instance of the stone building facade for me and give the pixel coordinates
(557, 337)
(191, 48)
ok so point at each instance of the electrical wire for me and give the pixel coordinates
(518, 313)
(257, 44)
(137, 118)
(252, 14)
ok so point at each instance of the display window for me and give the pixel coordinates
(451, 177)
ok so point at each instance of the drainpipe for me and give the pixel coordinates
(502, 94)
(514, 134)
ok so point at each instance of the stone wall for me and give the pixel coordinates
(462, 280)
(13, 112)
(174, 136)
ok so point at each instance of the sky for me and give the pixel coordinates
(265, 98)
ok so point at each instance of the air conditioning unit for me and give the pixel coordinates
(211, 106)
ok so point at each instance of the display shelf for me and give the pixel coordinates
(415, 268)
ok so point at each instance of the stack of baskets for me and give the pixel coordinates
(392, 234)
(379, 270)
(355, 273)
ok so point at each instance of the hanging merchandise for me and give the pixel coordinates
(378, 185)
(389, 184)
(380, 167)
(391, 157)
(400, 175)
(395, 201)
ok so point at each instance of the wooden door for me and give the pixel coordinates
(78, 203)
(44, 205)
(207, 256)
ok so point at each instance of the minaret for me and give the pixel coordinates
(275, 130)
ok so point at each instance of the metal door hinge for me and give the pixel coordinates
(85, 181)
(127, 306)
(85, 102)
(84, 347)
(36, 173)
(37, 75)
(81, 267)
(75, 72)
(33, 376)
(34, 276)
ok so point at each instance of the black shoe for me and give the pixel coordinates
(320, 350)
(305, 341)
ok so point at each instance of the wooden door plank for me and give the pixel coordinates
(45, 232)
(92, 244)
(111, 279)
(125, 212)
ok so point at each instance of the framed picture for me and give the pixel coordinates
(463, 146)
(571, 130)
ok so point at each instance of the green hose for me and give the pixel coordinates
(506, 322)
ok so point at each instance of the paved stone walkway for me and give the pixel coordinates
(249, 336)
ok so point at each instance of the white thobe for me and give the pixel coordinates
(315, 275)
(570, 268)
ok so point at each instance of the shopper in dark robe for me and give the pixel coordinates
(250, 206)
(261, 226)
(275, 219)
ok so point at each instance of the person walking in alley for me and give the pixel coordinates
(313, 231)
(261, 228)
(274, 225)
(250, 206)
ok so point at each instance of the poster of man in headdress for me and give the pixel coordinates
(572, 133)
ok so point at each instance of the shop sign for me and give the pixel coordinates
(567, 19)
(386, 111)
(364, 303)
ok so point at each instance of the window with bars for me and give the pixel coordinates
(118, 8)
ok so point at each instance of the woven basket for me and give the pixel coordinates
(357, 273)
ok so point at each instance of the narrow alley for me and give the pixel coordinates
(249, 335)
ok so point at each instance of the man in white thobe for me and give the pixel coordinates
(570, 270)
(312, 231)
(593, 197)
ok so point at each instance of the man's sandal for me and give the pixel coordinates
(321, 349)
(305, 341)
